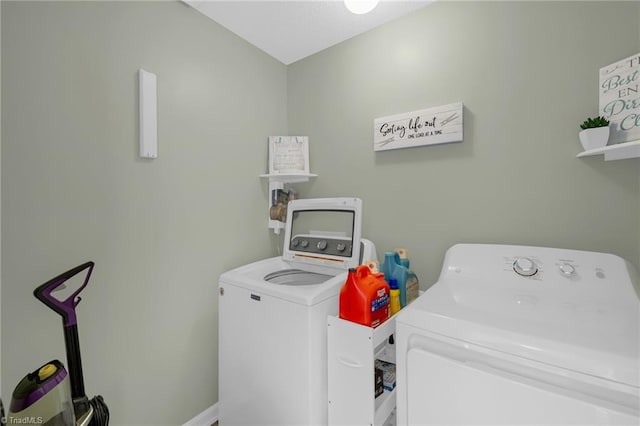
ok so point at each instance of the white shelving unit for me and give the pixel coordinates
(277, 181)
(618, 151)
(352, 350)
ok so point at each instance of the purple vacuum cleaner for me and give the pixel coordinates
(50, 395)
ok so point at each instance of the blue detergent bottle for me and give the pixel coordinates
(393, 270)
(407, 281)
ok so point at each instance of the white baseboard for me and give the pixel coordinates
(206, 418)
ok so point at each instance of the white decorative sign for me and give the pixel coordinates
(620, 98)
(431, 126)
(288, 154)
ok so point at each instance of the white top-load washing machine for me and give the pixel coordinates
(522, 335)
(273, 314)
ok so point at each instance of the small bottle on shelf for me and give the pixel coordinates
(394, 301)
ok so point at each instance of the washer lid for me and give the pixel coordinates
(323, 232)
(317, 286)
(296, 277)
(587, 322)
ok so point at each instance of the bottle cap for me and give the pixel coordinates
(403, 253)
(393, 284)
(47, 371)
(373, 266)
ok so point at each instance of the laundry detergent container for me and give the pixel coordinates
(364, 297)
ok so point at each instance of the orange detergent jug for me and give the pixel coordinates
(364, 297)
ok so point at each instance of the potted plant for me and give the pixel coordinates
(595, 133)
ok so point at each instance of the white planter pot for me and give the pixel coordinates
(596, 137)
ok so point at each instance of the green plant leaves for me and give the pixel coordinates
(594, 122)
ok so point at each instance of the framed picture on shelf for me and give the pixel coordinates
(288, 155)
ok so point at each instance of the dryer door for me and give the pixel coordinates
(459, 383)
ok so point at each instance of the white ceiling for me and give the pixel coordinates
(294, 29)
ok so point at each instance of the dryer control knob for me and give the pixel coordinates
(341, 246)
(567, 269)
(525, 266)
(304, 243)
(321, 245)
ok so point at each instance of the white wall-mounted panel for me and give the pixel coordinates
(148, 115)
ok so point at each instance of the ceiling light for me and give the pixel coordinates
(360, 7)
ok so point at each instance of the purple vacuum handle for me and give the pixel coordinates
(66, 308)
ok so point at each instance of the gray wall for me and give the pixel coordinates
(160, 231)
(527, 73)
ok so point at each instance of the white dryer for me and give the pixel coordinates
(273, 314)
(522, 335)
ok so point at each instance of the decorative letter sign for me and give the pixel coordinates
(288, 154)
(620, 98)
(431, 126)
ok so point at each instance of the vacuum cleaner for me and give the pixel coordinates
(51, 395)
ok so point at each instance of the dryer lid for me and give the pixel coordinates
(587, 322)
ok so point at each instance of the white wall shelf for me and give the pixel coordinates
(352, 350)
(277, 181)
(291, 178)
(618, 151)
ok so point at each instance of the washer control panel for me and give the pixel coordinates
(321, 245)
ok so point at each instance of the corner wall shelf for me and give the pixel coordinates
(277, 181)
(618, 151)
(290, 178)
